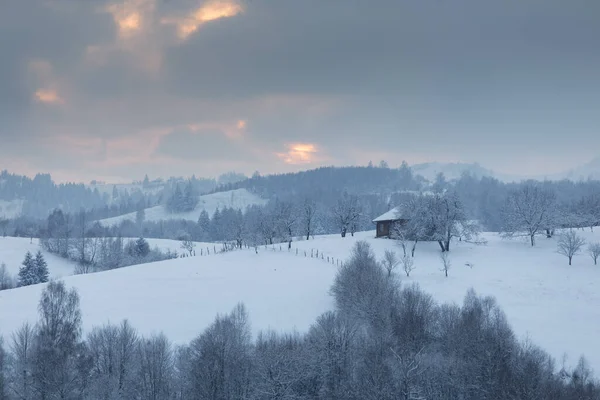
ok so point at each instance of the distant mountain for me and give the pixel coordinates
(590, 170)
(451, 171)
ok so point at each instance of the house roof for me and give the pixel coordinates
(394, 214)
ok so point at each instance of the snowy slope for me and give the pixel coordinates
(555, 305)
(12, 253)
(182, 297)
(239, 198)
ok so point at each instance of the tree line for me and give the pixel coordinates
(382, 341)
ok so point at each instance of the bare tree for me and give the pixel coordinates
(309, 211)
(347, 213)
(188, 245)
(408, 264)
(6, 280)
(156, 368)
(594, 250)
(3, 225)
(22, 364)
(530, 210)
(390, 261)
(446, 264)
(285, 221)
(569, 244)
(57, 344)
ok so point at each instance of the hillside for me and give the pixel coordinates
(239, 199)
(12, 252)
(556, 306)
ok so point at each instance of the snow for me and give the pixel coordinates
(239, 199)
(12, 253)
(391, 215)
(181, 297)
(555, 305)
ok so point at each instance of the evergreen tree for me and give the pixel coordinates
(41, 268)
(141, 248)
(27, 271)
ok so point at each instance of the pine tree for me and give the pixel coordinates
(41, 268)
(27, 271)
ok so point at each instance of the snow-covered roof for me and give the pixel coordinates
(392, 215)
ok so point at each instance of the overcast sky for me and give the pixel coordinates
(115, 89)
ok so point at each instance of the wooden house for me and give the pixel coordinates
(386, 223)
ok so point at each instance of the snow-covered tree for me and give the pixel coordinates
(3, 225)
(569, 244)
(347, 213)
(390, 261)
(6, 280)
(594, 251)
(285, 219)
(446, 263)
(531, 209)
(308, 217)
(188, 245)
(41, 268)
(27, 272)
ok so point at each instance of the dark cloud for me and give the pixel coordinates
(464, 80)
(203, 145)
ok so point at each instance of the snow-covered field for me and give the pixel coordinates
(239, 199)
(12, 253)
(556, 305)
(181, 297)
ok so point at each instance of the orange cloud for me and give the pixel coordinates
(128, 15)
(48, 96)
(299, 153)
(210, 11)
(241, 124)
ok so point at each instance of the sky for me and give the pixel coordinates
(116, 89)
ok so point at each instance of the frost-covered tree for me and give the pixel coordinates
(569, 244)
(594, 251)
(3, 225)
(308, 217)
(27, 272)
(347, 213)
(155, 368)
(390, 261)
(6, 280)
(446, 263)
(285, 219)
(408, 264)
(41, 268)
(530, 209)
(58, 349)
(188, 246)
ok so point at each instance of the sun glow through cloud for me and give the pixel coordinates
(299, 153)
(48, 96)
(210, 11)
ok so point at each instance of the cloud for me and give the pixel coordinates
(156, 82)
(48, 96)
(210, 11)
(299, 153)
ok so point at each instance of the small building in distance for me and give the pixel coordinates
(390, 220)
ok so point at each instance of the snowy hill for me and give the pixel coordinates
(181, 297)
(555, 305)
(239, 198)
(12, 253)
